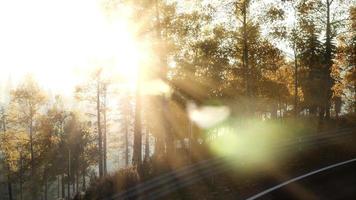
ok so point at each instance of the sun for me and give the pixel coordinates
(119, 53)
(60, 42)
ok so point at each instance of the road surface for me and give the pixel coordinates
(331, 184)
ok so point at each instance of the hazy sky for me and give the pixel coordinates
(58, 41)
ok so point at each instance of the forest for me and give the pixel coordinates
(196, 80)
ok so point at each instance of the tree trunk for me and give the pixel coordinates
(68, 174)
(126, 143)
(321, 113)
(99, 129)
(73, 184)
(274, 113)
(77, 182)
(147, 145)
(21, 178)
(354, 100)
(104, 134)
(63, 187)
(137, 148)
(190, 131)
(32, 161)
(45, 187)
(58, 187)
(312, 110)
(9, 184)
(167, 131)
(328, 62)
(295, 80)
(245, 63)
(84, 182)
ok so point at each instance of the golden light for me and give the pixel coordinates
(60, 42)
(253, 144)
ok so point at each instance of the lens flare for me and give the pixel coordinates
(253, 144)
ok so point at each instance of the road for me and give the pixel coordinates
(332, 184)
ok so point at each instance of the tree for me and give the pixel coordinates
(284, 31)
(346, 62)
(242, 11)
(311, 64)
(330, 17)
(93, 92)
(6, 151)
(26, 103)
(48, 141)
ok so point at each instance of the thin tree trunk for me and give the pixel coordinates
(328, 57)
(126, 143)
(312, 110)
(84, 182)
(99, 129)
(147, 146)
(321, 113)
(63, 187)
(58, 187)
(21, 174)
(77, 182)
(245, 49)
(137, 148)
(168, 135)
(274, 113)
(354, 101)
(104, 134)
(295, 81)
(9, 184)
(32, 161)
(45, 187)
(68, 174)
(190, 124)
(279, 109)
(73, 184)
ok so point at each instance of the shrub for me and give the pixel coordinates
(112, 184)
